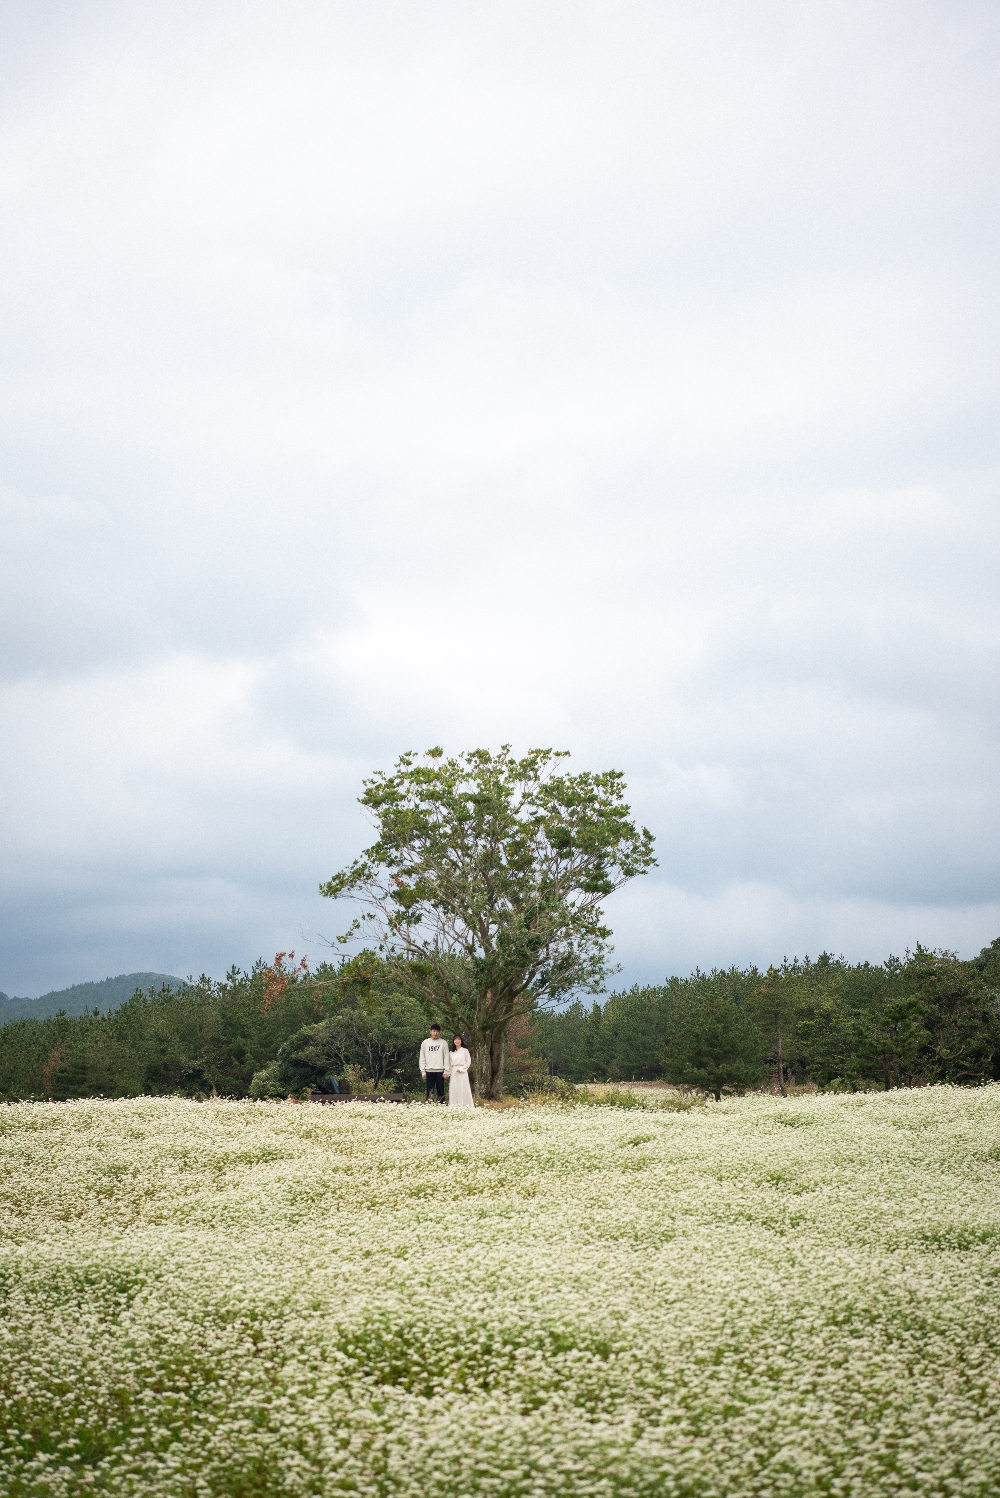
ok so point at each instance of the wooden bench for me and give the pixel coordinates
(357, 1097)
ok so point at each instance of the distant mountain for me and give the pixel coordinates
(107, 994)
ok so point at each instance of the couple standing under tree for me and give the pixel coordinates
(438, 1063)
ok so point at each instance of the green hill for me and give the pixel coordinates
(107, 994)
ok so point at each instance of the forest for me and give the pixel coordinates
(278, 1029)
(83, 998)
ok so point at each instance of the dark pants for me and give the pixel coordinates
(434, 1082)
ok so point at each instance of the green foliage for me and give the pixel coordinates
(928, 1018)
(569, 1041)
(906, 1022)
(774, 1006)
(923, 1019)
(380, 1041)
(208, 1038)
(712, 1041)
(82, 998)
(486, 878)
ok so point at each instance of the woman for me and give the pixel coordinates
(459, 1089)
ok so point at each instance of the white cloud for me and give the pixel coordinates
(614, 377)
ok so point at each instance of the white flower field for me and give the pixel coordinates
(754, 1297)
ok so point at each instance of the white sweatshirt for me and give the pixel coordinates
(433, 1055)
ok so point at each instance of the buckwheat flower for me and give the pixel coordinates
(750, 1298)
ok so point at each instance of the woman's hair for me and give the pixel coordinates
(457, 1041)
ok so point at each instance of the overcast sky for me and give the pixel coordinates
(617, 377)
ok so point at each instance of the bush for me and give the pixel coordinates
(380, 1044)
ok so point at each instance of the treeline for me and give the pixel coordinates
(928, 1017)
(279, 1029)
(211, 1038)
(83, 997)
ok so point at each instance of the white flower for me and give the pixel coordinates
(215, 1298)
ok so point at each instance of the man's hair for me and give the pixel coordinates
(437, 1028)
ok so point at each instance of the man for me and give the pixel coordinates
(434, 1064)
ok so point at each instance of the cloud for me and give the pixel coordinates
(617, 379)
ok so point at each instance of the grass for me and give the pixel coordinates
(651, 1096)
(755, 1297)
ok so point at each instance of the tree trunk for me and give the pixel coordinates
(479, 1070)
(497, 1052)
(781, 1067)
(487, 1064)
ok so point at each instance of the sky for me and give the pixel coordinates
(620, 378)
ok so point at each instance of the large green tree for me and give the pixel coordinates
(712, 1041)
(486, 881)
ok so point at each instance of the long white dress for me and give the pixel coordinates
(459, 1088)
